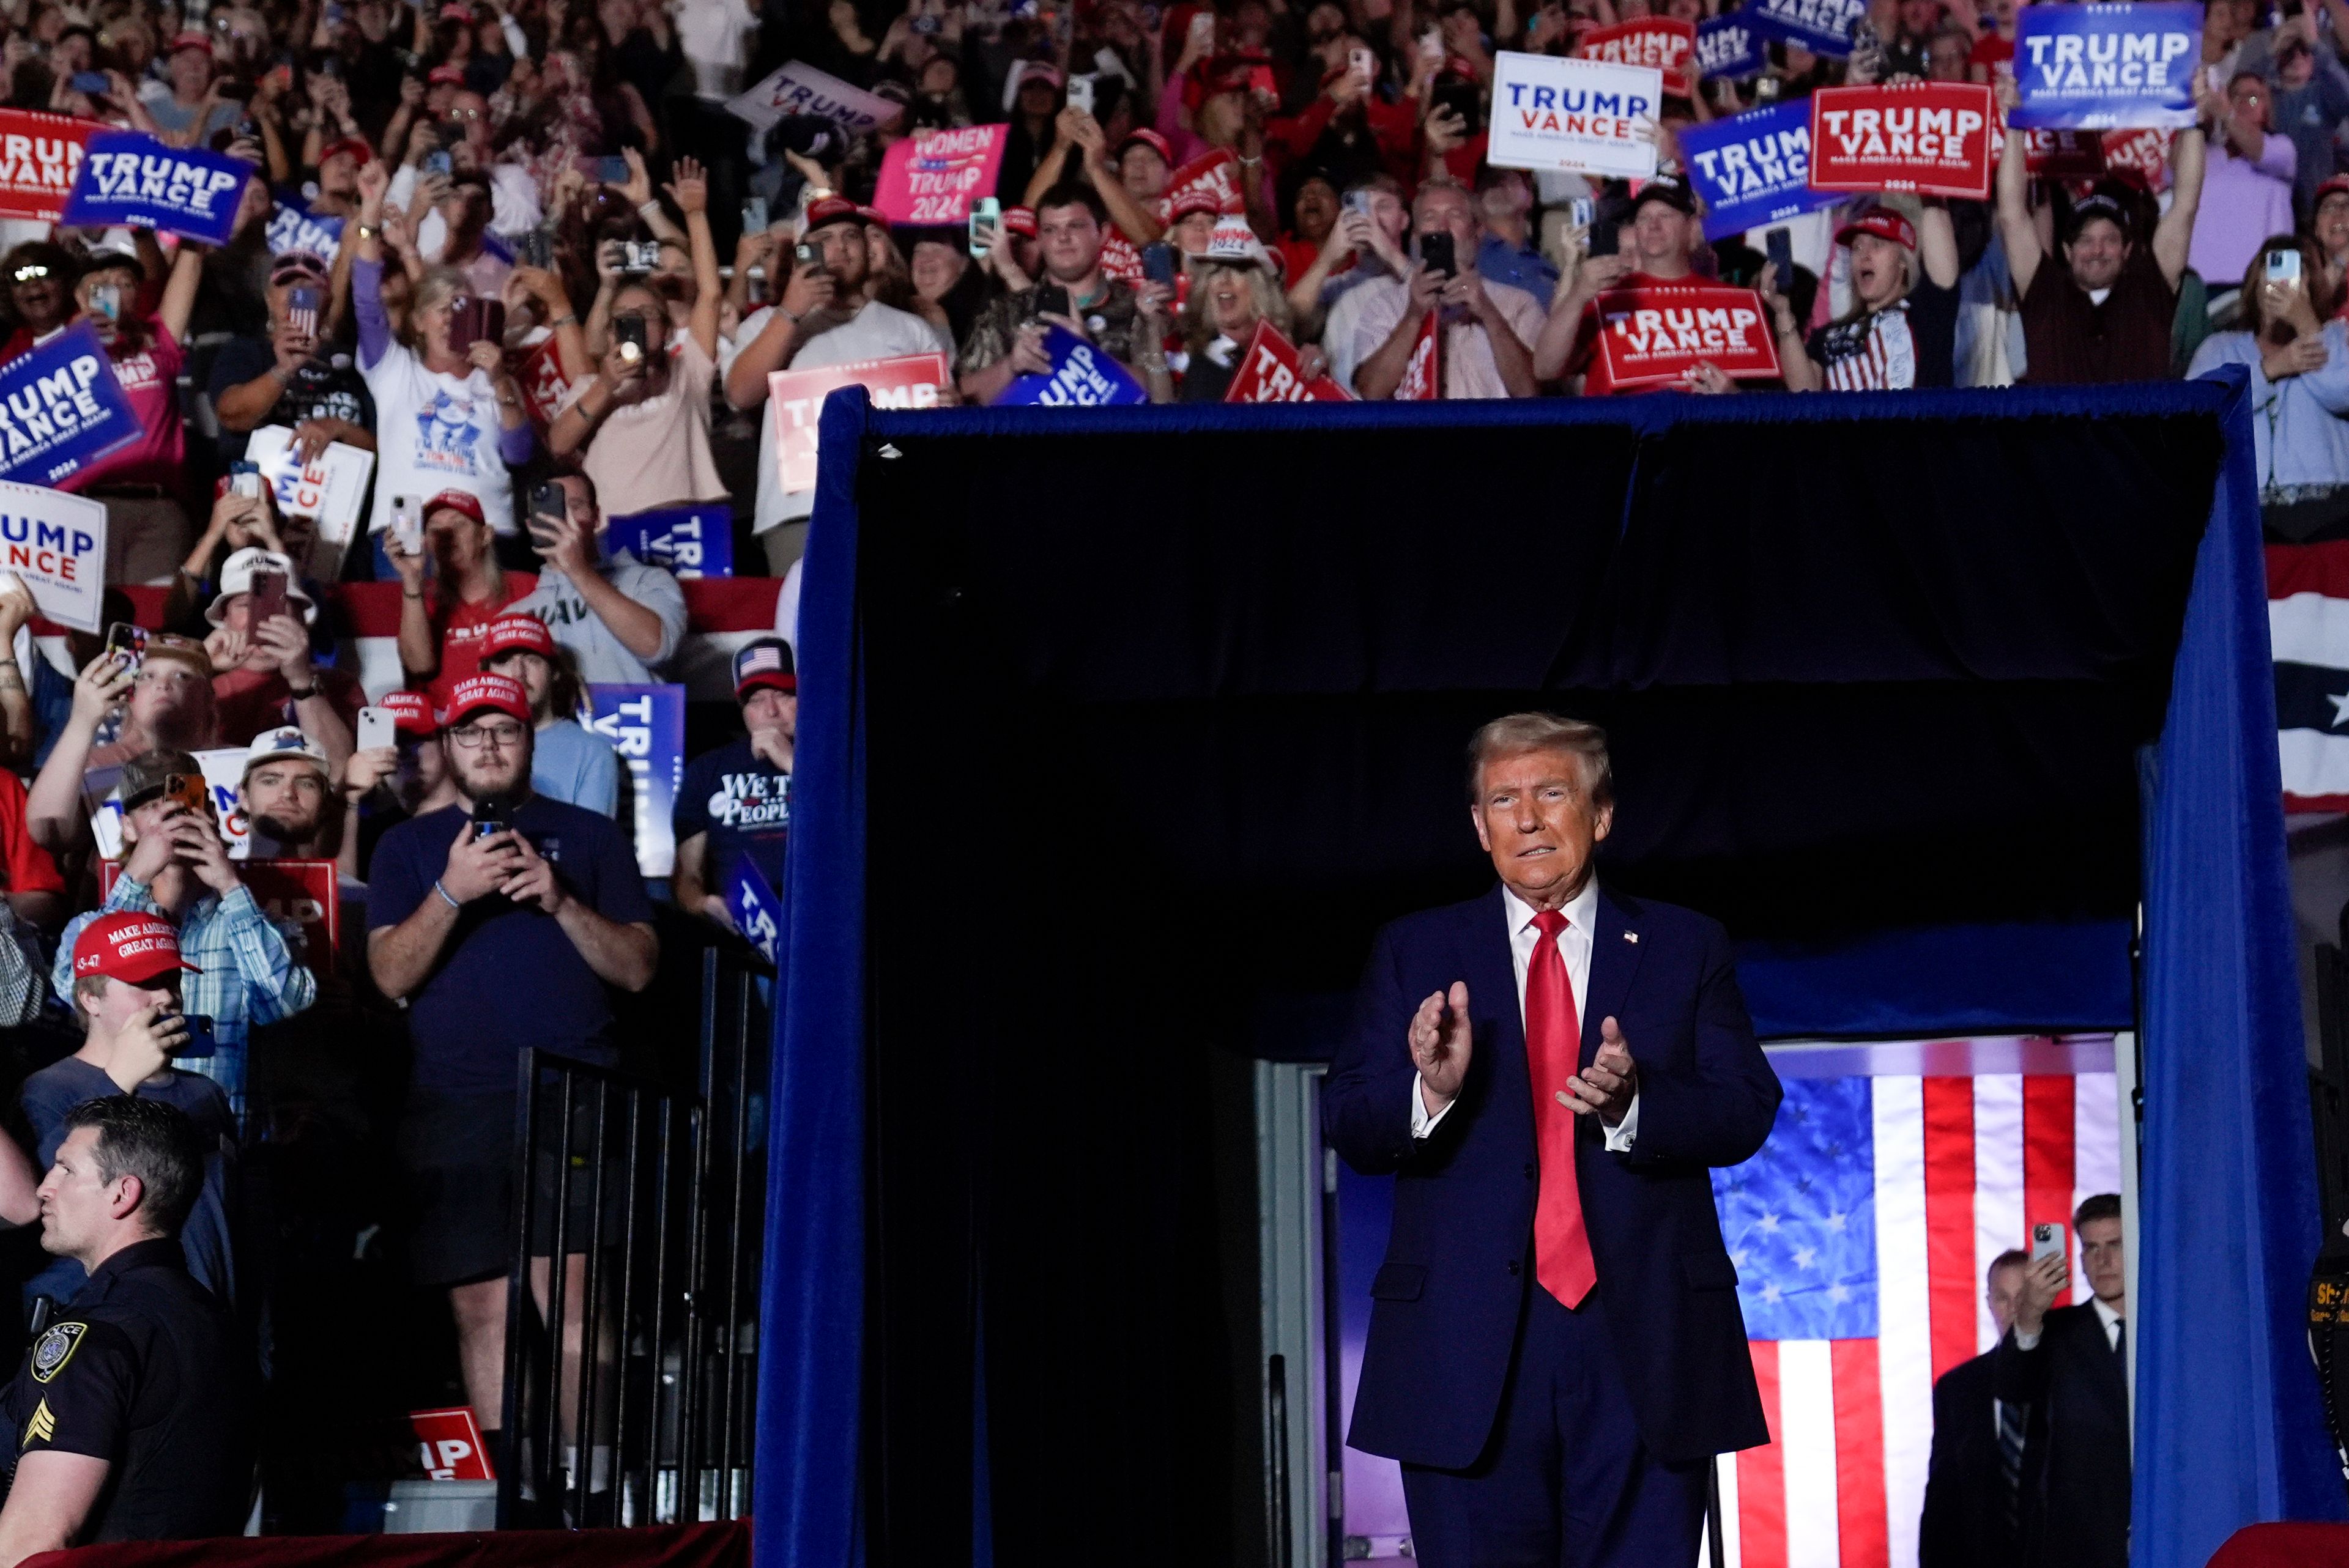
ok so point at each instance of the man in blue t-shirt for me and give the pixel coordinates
(503, 921)
(735, 804)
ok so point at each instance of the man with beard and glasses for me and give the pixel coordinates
(503, 922)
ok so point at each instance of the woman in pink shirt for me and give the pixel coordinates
(147, 531)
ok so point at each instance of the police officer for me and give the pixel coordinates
(133, 1412)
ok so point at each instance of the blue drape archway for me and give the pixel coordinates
(2228, 1429)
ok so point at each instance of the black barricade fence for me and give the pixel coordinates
(640, 1412)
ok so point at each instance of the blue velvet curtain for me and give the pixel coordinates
(2229, 1427)
(1957, 658)
(809, 1491)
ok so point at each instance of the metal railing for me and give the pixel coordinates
(641, 1413)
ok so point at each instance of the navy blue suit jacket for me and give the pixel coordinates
(1447, 1300)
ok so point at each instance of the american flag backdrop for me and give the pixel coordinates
(1861, 1235)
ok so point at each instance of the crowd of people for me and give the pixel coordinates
(523, 252)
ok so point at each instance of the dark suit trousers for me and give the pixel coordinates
(1565, 1482)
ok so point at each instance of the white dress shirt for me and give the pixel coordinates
(1581, 913)
(2107, 1318)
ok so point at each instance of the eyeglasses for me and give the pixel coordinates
(471, 735)
(464, 114)
(26, 274)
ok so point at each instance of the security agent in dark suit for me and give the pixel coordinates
(1556, 1352)
(2072, 1364)
(1973, 1482)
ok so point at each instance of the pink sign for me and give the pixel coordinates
(935, 177)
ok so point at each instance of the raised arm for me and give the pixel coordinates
(180, 290)
(2173, 237)
(690, 191)
(2016, 227)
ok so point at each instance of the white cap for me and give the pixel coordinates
(284, 742)
(1234, 244)
(236, 577)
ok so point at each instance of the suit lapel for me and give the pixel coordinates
(1493, 991)
(1614, 959)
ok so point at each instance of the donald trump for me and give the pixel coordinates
(1556, 1351)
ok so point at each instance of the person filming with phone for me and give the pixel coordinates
(1485, 349)
(821, 319)
(244, 969)
(504, 922)
(1074, 294)
(620, 617)
(2071, 1362)
(260, 649)
(2295, 345)
(640, 424)
(128, 979)
(293, 377)
(449, 415)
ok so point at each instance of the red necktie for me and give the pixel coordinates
(1562, 1260)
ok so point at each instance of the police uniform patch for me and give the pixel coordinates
(54, 1348)
(41, 1428)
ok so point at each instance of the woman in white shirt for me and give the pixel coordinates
(446, 417)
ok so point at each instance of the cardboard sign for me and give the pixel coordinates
(2098, 67)
(909, 381)
(330, 487)
(294, 227)
(1268, 372)
(57, 543)
(449, 1445)
(688, 541)
(1753, 169)
(645, 725)
(1933, 137)
(543, 381)
(1730, 47)
(1119, 259)
(803, 90)
(1822, 27)
(758, 912)
(1216, 173)
(1422, 372)
(40, 154)
(933, 176)
(61, 409)
(135, 181)
(2145, 151)
(1083, 376)
(1669, 46)
(1651, 335)
(1588, 115)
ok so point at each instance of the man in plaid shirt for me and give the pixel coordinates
(252, 969)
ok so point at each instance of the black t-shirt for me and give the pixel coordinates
(508, 977)
(744, 803)
(332, 390)
(146, 1371)
(1912, 343)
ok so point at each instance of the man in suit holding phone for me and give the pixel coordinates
(1974, 1481)
(1556, 1351)
(2071, 1362)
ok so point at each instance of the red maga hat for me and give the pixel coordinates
(132, 947)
